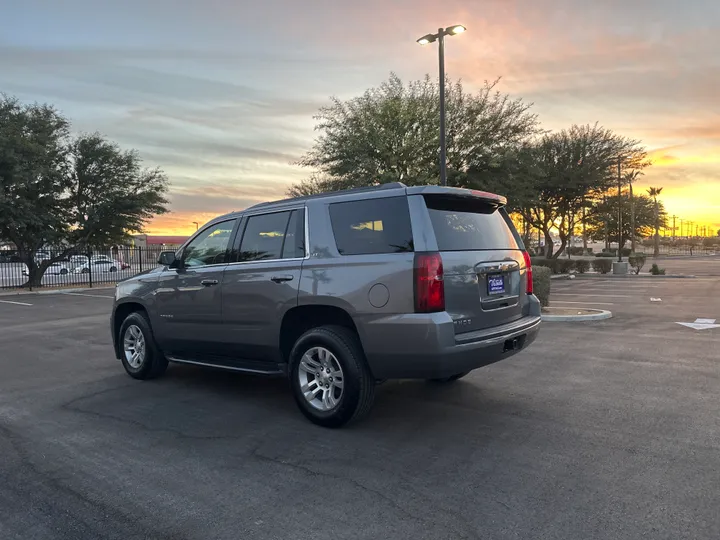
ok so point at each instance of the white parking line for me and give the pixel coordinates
(601, 295)
(591, 302)
(89, 295)
(15, 303)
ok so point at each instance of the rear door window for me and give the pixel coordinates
(466, 224)
(372, 226)
(264, 237)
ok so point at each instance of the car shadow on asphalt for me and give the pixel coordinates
(194, 402)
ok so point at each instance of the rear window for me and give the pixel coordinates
(469, 225)
(372, 226)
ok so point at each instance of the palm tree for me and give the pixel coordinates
(654, 192)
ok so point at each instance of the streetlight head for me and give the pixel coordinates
(457, 29)
(425, 40)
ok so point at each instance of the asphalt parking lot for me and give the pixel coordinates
(604, 429)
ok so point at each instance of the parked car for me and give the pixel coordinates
(9, 257)
(337, 291)
(41, 256)
(56, 268)
(78, 260)
(98, 266)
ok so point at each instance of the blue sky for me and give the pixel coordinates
(221, 94)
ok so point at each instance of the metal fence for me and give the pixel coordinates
(96, 267)
(681, 250)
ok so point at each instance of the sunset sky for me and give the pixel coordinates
(221, 93)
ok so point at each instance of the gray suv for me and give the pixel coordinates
(337, 291)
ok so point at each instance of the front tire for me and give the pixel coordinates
(330, 379)
(139, 353)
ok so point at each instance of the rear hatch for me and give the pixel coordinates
(482, 259)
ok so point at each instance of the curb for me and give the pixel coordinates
(620, 276)
(56, 291)
(599, 315)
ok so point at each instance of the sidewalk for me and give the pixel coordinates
(54, 290)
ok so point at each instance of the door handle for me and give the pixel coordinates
(209, 282)
(280, 279)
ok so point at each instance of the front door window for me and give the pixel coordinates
(210, 246)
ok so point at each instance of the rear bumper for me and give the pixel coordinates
(421, 346)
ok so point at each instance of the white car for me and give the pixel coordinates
(56, 268)
(99, 266)
(41, 256)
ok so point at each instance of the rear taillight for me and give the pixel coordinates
(528, 272)
(429, 284)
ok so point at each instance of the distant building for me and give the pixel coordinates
(148, 241)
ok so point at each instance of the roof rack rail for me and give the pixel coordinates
(391, 185)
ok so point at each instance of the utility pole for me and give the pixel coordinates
(583, 225)
(607, 225)
(681, 228)
(620, 224)
(632, 217)
(674, 229)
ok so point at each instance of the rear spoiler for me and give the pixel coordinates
(495, 200)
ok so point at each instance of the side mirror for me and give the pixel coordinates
(167, 258)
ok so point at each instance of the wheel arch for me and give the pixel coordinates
(299, 319)
(120, 313)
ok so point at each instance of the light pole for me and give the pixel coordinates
(425, 40)
(197, 225)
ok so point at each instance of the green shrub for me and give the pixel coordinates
(582, 265)
(605, 254)
(580, 251)
(563, 266)
(602, 265)
(655, 270)
(541, 284)
(552, 264)
(613, 252)
(637, 261)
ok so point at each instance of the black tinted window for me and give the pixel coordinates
(469, 224)
(294, 247)
(210, 246)
(263, 237)
(372, 226)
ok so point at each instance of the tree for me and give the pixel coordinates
(112, 195)
(390, 134)
(63, 192)
(34, 180)
(655, 192)
(605, 214)
(555, 178)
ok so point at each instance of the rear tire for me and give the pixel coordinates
(451, 378)
(319, 355)
(139, 353)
